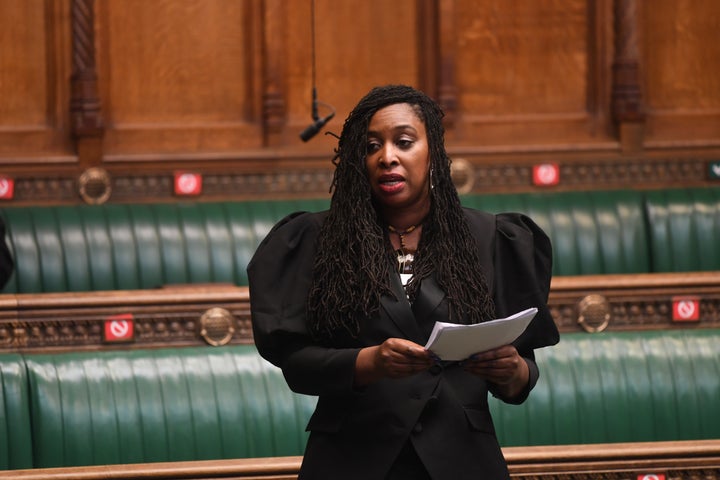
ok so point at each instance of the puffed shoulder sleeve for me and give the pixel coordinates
(279, 276)
(523, 269)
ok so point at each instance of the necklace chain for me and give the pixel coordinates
(402, 233)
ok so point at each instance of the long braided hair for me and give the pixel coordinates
(354, 257)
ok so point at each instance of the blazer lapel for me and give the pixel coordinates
(427, 299)
(428, 296)
(400, 311)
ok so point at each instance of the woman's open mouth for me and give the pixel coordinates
(391, 183)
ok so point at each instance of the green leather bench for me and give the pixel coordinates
(175, 404)
(137, 246)
(597, 232)
(162, 405)
(620, 387)
(15, 427)
(200, 403)
(684, 229)
(141, 246)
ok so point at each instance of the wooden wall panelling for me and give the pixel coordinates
(446, 94)
(359, 45)
(619, 93)
(178, 78)
(681, 72)
(528, 76)
(34, 72)
(429, 47)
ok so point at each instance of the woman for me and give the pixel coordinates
(343, 302)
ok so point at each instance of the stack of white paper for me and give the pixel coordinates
(451, 341)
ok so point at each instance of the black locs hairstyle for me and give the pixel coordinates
(354, 258)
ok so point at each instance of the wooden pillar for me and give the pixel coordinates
(85, 109)
(273, 103)
(627, 102)
(447, 89)
(428, 46)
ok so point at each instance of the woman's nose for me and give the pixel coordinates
(388, 157)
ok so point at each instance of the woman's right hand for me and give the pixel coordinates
(394, 358)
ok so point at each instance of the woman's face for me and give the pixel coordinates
(398, 158)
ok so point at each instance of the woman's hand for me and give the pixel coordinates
(394, 358)
(502, 366)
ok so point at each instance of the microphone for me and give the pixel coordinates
(318, 123)
(315, 127)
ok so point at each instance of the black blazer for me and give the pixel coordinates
(7, 264)
(358, 433)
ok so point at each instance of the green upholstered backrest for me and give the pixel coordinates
(138, 246)
(620, 387)
(591, 232)
(15, 430)
(684, 227)
(200, 403)
(162, 405)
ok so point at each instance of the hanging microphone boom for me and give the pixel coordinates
(318, 122)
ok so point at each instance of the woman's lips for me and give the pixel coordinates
(391, 183)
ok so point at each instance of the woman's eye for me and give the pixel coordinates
(373, 147)
(404, 143)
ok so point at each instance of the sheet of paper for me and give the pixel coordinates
(451, 341)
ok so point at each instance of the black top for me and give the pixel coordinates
(358, 433)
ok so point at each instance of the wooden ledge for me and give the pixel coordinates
(637, 281)
(633, 301)
(640, 458)
(173, 315)
(684, 459)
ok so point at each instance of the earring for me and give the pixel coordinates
(432, 181)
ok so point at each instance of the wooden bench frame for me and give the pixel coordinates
(676, 460)
(215, 314)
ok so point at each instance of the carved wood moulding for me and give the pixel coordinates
(470, 175)
(308, 183)
(173, 316)
(159, 187)
(635, 173)
(636, 302)
(151, 329)
(216, 315)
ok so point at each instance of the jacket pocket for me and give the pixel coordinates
(480, 420)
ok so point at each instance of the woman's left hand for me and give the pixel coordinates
(502, 366)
